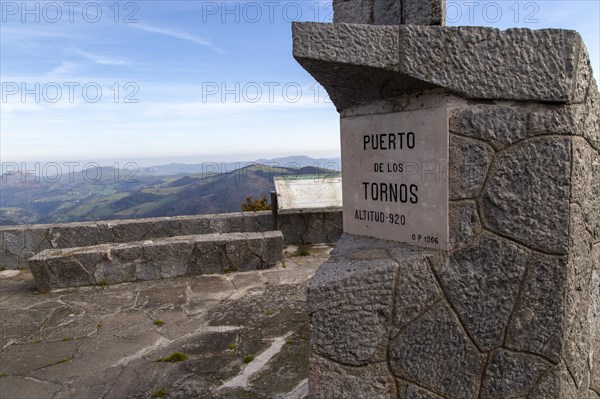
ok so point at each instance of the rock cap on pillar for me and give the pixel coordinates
(362, 59)
(358, 64)
(390, 12)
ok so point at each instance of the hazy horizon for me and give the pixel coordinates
(65, 167)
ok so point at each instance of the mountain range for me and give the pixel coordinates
(165, 190)
(297, 161)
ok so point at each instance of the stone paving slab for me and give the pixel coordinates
(104, 342)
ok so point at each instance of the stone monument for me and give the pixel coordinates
(499, 298)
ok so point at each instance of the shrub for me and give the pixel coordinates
(254, 205)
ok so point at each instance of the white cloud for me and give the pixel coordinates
(26, 33)
(178, 35)
(64, 68)
(101, 59)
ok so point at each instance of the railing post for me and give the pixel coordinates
(274, 209)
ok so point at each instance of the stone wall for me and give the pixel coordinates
(155, 259)
(511, 310)
(19, 243)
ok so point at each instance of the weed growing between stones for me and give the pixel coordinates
(159, 394)
(174, 357)
(159, 323)
(102, 283)
(248, 358)
(2, 268)
(63, 360)
(302, 250)
(282, 264)
(231, 349)
(2, 374)
(66, 338)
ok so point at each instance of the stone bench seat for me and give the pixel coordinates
(19, 243)
(155, 259)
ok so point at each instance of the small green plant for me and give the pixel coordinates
(44, 291)
(98, 326)
(36, 341)
(102, 283)
(66, 338)
(2, 374)
(174, 357)
(302, 250)
(289, 341)
(159, 323)
(159, 394)
(255, 205)
(231, 347)
(283, 264)
(228, 270)
(248, 358)
(2, 268)
(63, 360)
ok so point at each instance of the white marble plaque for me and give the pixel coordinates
(395, 176)
(309, 194)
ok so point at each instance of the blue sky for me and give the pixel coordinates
(190, 81)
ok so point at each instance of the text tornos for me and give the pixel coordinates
(391, 192)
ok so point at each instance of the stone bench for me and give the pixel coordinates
(19, 243)
(155, 259)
